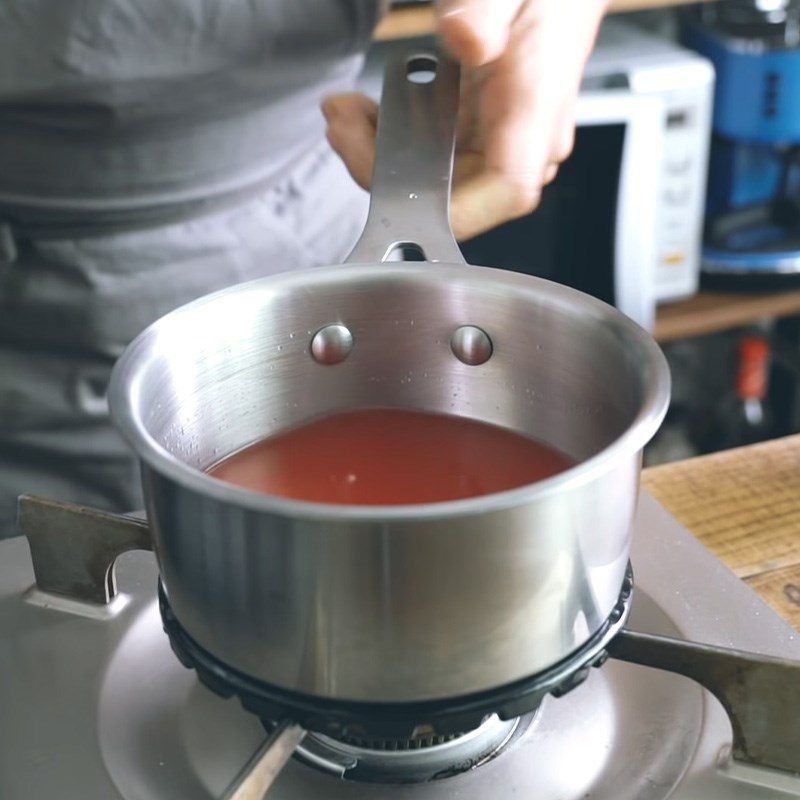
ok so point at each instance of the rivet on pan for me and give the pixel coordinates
(471, 345)
(331, 344)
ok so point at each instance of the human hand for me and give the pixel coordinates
(522, 62)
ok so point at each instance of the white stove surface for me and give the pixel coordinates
(94, 705)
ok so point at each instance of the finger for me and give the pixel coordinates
(481, 199)
(519, 110)
(352, 121)
(566, 140)
(335, 105)
(528, 99)
(484, 197)
(476, 31)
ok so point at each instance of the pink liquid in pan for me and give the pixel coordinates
(390, 457)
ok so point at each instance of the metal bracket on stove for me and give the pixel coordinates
(760, 694)
(73, 548)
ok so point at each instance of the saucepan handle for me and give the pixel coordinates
(74, 549)
(410, 201)
(759, 693)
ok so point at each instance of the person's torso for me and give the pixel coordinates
(152, 151)
(108, 104)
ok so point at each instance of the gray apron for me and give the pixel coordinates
(149, 156)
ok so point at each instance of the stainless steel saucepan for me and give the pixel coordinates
(401, 603)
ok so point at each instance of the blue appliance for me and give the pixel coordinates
(752, 236)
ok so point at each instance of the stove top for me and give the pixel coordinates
(94, 704)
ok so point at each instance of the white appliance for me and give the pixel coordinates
(649, 65)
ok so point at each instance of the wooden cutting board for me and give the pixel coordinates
(744, 506)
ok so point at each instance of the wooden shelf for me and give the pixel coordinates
(711, 312)
(419, 20)
(402, 23)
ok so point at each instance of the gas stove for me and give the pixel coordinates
(95, 704)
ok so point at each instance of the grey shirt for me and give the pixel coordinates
(151, 151)
(124, 103)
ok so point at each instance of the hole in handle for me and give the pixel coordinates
(405, 251)
(421, 69)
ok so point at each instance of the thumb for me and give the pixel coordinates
(352, 120)
(476, 31)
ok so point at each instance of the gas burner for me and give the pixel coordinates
(439, 720)
(421, 742)
(418, 760)
(165, 736)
